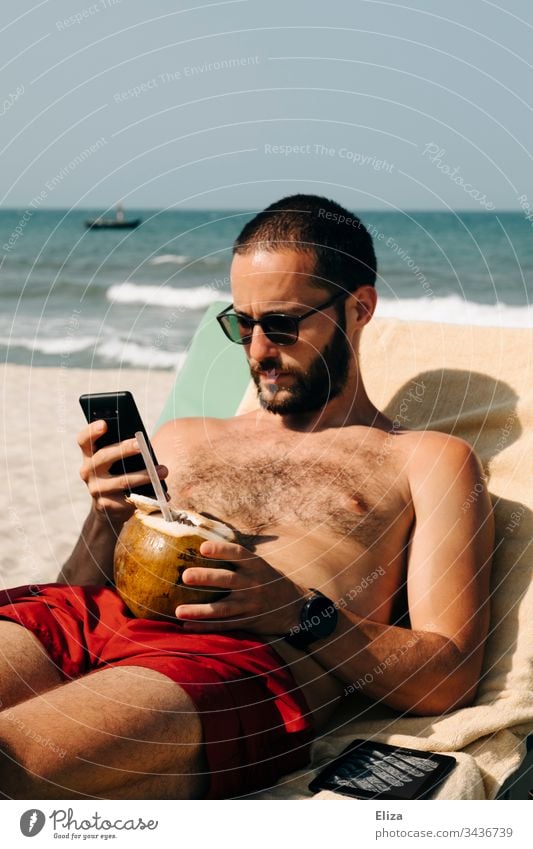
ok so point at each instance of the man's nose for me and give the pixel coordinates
(260, 345)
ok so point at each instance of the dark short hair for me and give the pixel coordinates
(341, 244)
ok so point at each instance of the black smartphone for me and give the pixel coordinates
(123, 421)
(368, 770)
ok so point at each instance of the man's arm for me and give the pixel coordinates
(434, 667)
(91, 561)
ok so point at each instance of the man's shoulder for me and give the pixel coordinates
(432, 454)
(420, 445)
(422, 441)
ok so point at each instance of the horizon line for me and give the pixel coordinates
(255, 209)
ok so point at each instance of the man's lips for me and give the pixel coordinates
(272, 374)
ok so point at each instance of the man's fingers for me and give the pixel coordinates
(111, 484)
(99, 463)
(119, 451)
(110, 503)
(209, 610)
(88, 436)
(203, 577)
(108, 490)
(226, 551)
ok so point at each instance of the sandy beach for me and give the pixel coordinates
(43, 501)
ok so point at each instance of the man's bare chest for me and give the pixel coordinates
(340, 489)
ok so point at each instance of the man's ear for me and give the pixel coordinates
(363, 303)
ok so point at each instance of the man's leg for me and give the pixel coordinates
(25, 667)
(119, 733)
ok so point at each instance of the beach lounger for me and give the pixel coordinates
(474, 382)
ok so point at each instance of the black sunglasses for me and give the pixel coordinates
(279, 328)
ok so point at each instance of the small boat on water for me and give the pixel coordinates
(119, 222)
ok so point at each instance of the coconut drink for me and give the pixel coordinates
(152, 553)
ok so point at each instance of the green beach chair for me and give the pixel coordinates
(214, 376)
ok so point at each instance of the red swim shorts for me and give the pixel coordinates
(256, 723)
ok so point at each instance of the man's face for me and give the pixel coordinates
(302, 377)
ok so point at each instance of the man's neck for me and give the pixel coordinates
(352, 407)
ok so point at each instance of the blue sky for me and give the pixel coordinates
(382, 105)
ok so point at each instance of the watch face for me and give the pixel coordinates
(321, 614)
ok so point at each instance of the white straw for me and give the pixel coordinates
(156, 483)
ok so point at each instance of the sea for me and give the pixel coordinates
(71, 296)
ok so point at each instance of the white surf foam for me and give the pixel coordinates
(46, 345)
(113, 350)
(169, 259)
(196, 298)
(453, 309)
(132, 354)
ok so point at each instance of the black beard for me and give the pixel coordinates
(324, 379)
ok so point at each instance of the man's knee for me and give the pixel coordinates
(88, 740)
(66, 776)
(25, 668)
(69, 778)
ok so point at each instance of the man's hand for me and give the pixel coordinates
(108, 491)
(261, 599)
(91, 561)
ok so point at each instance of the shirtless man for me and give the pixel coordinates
(337, 503)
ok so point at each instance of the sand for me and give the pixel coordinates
(43, 501)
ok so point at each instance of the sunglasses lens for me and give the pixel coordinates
(280, 329)
(237, 328)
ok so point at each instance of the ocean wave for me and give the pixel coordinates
(111, 351)
(132, 354)
(453, 309)
(39, 287)
(183, 259)
(196, 298)
(170, 259)
(52, 346)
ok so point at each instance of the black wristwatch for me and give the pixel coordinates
(318, 619)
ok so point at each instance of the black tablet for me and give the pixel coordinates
(368, 770)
